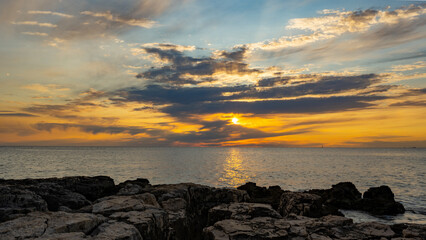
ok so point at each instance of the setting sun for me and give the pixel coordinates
(235, 120)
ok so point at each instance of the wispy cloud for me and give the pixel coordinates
(144, 23)
(50, 13)
(35, 23)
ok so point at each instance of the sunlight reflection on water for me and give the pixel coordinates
(233, 167)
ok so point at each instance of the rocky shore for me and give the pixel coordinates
(96, 208)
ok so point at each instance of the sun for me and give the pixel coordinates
(235, 120)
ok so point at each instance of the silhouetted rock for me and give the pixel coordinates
(303, 204)
(343, 195)
(380, 201)
(258, 194)
(14, 201)
(131, 187)
(57, 196)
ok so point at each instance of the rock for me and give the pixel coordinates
(408, 231)
(116, 231)
(90, 187)
(343, 195)
(374, 229)
(304, 204)
(271, 195)
(241, 211)
(151, 223)
(57, 196)
(15, 201)
(111, 204)
(256, 228)
(45, 224)
(130, 189)
(380, 201)
(65, 236)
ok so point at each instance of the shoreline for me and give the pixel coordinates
(96, 208)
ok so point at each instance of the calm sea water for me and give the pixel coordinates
(404, 170)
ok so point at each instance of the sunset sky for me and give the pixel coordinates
(290, 73)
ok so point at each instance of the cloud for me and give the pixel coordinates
(34, 23)
(300, 105)
(94, 129)
(45, 88)
(344, 35)
(41, 34)
(409, 67)
(144, 23)
(183, 69)
(14, 114)
(50, 13)
(82, 19)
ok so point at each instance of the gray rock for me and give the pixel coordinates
(241, 211)
(375, 229)
(304, 204)
(45, 224)
(151, 223)
(111, 204)
(116, 231)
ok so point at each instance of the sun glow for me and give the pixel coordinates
(235, 120)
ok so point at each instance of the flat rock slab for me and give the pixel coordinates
(116, 231)
(109, 205)
(45, 224)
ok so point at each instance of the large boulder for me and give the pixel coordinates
(380, 201)
(304, 204)
(271, 195)
(343, 195)
(14, 201)
(57, 196)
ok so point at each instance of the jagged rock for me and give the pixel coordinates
(151, 223)
(271, 195)
(241, 211)
(57, 196)
(90, 187)
(111, 204)
(256, 228)
(410, 231)
(343, 195)
(15, 201)
(65, 236)
(44, 224)
(374, 229)
(132, 187)
(304, 204)
(380, 201)
(116, 231)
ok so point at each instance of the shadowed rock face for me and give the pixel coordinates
(258, 194)
(137, 210)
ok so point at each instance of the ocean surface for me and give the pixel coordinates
(403, 170)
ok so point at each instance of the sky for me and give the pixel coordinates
(255, 73)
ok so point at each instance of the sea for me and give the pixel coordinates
(295, 169)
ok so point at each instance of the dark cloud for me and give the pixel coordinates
(180, 64)
(236, 55)
(13, 114)
(409, 104)
(269, 82)
(181, 95)
(94, 129)
(325, 85)
(300, 105)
